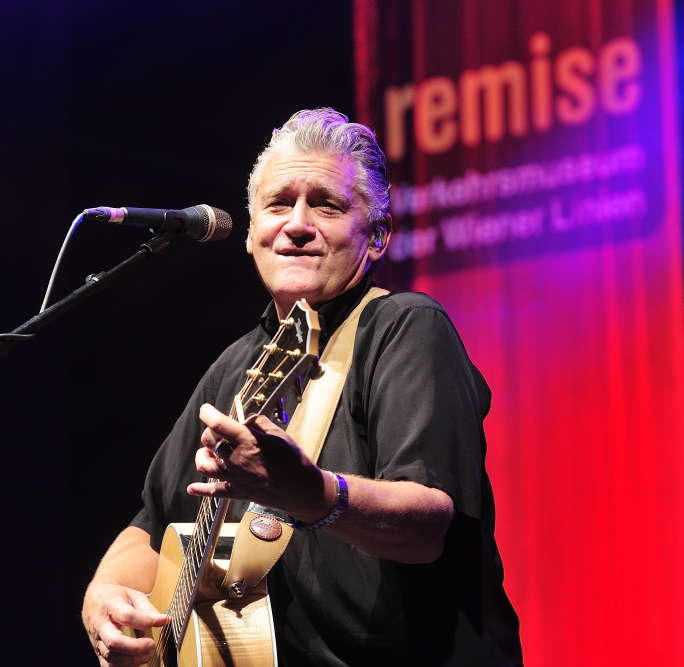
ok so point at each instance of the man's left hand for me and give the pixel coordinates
(260, 463)
(397, 520)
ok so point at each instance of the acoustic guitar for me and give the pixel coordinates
(207, 628)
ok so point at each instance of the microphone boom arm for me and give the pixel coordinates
(94, 283)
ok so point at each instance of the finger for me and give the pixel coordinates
(210, 439)
(123, 650)
(265, 425)
(113, 657)
(138, 614)
(208, 463)
(142, 603)
(211, 489)
(223, 426)
(115, 640)
(219, 449)
(110, 658)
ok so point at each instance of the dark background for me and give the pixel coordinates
(151, 104)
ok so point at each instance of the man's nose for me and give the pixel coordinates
(301, 221)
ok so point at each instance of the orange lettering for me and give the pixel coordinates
(619, 64)
(492, 102)
(489, 83)
(435, 105)
(541, 86)
(578, 100)
(397, 102)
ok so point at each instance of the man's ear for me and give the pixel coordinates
(248, 242)
(379, 238)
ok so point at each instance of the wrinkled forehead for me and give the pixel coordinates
(291, 168)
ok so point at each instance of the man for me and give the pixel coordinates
(408, 573)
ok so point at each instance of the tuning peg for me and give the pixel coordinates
(280, 414)
(317, 369)
(298, 388)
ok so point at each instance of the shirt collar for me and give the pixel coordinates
(330, 314)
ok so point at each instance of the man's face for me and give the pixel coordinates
(310, 234)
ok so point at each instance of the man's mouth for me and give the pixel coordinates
(296, 252)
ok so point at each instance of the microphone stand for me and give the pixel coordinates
(94, 283)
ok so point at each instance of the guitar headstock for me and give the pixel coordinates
(285, 358)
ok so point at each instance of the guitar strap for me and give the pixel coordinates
(253, 557)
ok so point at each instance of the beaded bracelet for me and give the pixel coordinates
(341, 502)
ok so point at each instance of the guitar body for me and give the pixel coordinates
(220, 633)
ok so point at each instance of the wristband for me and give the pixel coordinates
(341, 503)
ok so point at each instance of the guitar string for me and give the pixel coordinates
(193, 562)
(261, 362)
(199, 539)
(205, 519)
(206, 516)
(252, 398)
(183, 591)
(181, 601)
(194, 551)
(194, 545)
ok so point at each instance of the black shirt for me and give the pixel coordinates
(411, 409)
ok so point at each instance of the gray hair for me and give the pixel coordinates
(328, 131)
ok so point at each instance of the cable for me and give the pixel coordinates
(16, 336)
(77, 221)
(19, 337)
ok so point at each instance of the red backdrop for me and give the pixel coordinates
(534, 162)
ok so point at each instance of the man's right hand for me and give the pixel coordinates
(106, 609)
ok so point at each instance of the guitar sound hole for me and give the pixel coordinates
(171, 655)
(224, 547)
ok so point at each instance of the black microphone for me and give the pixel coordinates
(202, 223)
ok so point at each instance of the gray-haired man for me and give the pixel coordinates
(409, 573)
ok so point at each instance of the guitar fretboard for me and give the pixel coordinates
(196, 552)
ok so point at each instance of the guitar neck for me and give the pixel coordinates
(199, 553)
(292, 349)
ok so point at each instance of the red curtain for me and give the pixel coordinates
(566, 287)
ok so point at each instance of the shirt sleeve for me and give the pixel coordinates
(426, 401)
(165, 498)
